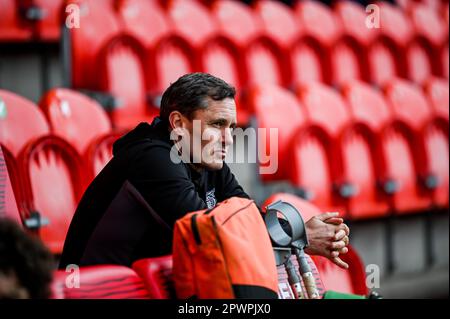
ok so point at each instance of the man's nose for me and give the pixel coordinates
(227, 137)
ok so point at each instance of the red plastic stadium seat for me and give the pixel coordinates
(279, 22)
(316, 145)
(277, 109)
(12, 26)
(20, 121)
(429, 139)
(8, 204)
(424, 53)
(141, 16)
(192, 20)
(263, 60)
(99, 25)
(99, 153)
(318, 21)
(333, 277)
(122, 73)
(98, 282)
(74, 117)
(350, 53)
(53, 182)
(172, 58)
(370, 115)
(438, 94)
(156, 274)
(311, 59)
(386, 54)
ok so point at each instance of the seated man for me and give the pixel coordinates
(177, 170)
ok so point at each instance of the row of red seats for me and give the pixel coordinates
(361, 151)
(152, 277)
(136, 49)
(52, 153)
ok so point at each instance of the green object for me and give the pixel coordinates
(329, 294)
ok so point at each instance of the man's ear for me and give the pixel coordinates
(176, 122)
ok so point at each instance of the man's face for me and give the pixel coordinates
(211, 129)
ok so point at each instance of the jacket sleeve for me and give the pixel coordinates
(165, 185)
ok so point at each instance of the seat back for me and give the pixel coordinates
(220, 57)
(408, 103)
(140, 16)
(437, 92)
(276, 108)
(53, 179)
(99, 282)
(99, 153)
(318, 21)
(8, 203)
(157, 276)
(99, 25)
(20, 122)
(236, 21)
(74, 117)
(279, 22)
(172, 58)
(192, 21)
(122, 69)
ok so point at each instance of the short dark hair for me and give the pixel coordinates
(27, 258)
(190, 92)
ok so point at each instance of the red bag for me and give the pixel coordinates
(224, 252)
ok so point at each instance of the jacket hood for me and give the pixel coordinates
(157, 130)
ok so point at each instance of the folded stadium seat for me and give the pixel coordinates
(216, 54)
(8, 203)
(263, 60)
(121, 65)
(280, 24)
(13, 28)
(350, 53)
(321, 30)
(425, 51)
(437, 91)
(46, 18)
(99, 25)
(318, 146)
(74, 117)
(276, 110)
(99, 153)
(386, 53)
(333, 277)
(370, 115)
(98, 282)
(428, 140)
(137, 18)
(21, 121)
(53, 183)
(156, 273)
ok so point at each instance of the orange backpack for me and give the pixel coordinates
(224, 252)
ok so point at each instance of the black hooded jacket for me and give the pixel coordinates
(104, 232)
